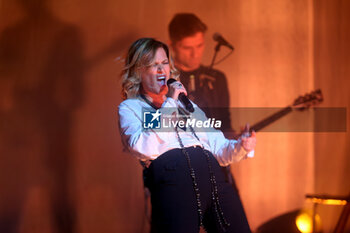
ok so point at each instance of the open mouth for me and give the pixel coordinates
(161, 79)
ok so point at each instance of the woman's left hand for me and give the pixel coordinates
(249, 143)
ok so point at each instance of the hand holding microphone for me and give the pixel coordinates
(178, 91)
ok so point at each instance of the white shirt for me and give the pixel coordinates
(148, 144)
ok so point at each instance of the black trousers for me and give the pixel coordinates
(174, 205)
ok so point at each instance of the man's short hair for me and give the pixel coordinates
(184, 25)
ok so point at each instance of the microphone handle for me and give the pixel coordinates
(184, 99)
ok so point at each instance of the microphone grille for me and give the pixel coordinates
(170, 81)
(216, 36)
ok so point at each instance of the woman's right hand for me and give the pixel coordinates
(175, 89)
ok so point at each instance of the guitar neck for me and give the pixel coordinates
(262, 124)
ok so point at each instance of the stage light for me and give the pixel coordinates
(297, 221)
(328, 201)
(303, 222)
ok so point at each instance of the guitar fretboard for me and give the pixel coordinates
(262, 124)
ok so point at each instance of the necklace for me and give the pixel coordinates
(148, 101)
(214, 188)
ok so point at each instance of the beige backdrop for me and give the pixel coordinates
(283, 48)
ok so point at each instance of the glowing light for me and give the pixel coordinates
(328, 201)
(304, 223)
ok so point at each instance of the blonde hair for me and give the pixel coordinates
(141, 54)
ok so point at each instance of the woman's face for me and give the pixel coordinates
(155, 76)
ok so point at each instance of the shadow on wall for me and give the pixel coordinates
(42, 71)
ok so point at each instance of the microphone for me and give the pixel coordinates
(183, 98)
(218, 37)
